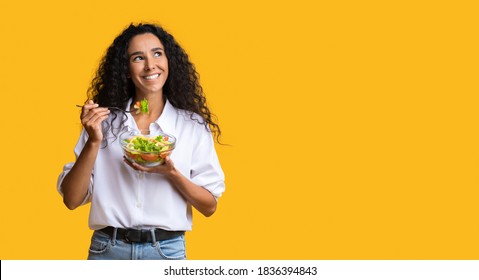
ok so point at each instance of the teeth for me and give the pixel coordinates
(152, 77)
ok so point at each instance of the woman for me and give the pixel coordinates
(142, 212)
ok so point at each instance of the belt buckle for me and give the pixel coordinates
(132, 235)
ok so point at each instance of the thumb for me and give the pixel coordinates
(168, 160)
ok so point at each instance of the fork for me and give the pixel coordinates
(112, 108)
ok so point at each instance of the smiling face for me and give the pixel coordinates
(148, 64)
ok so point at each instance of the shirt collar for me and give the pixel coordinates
(167, 119)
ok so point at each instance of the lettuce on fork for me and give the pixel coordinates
(141, 106)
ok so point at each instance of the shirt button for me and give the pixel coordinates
(138, 205)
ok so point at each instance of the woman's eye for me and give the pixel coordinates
(137, 58)
(157, 54)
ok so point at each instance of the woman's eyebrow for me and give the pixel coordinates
(135, 53)
(140, 52)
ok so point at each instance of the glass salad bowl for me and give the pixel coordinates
(146, 149)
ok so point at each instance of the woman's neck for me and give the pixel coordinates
(156, 104)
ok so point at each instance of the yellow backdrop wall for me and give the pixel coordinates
(352, 125)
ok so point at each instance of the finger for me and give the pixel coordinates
(101, 112)
(100, 119)
(135, 165)
(168, 161)
(87, 107)
(127, 162)
(94, 113)
(96, 122)
(96, 110)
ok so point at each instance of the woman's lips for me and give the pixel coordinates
(151, 77)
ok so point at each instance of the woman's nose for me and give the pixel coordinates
(149, 64)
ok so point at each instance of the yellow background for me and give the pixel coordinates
(352, 125)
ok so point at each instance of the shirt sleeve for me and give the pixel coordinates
(66, 169)
(205, 167)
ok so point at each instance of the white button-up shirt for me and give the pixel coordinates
(123, 197)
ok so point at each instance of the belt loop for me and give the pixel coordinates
(153, 237)
(113, 239)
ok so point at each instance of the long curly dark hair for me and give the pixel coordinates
(111, 86)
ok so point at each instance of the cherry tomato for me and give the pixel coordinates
(149, 157)
(131, 155)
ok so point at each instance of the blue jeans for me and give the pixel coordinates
(103, 247)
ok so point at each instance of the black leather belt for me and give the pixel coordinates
(141, 235)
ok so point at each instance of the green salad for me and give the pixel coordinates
(142, 149)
